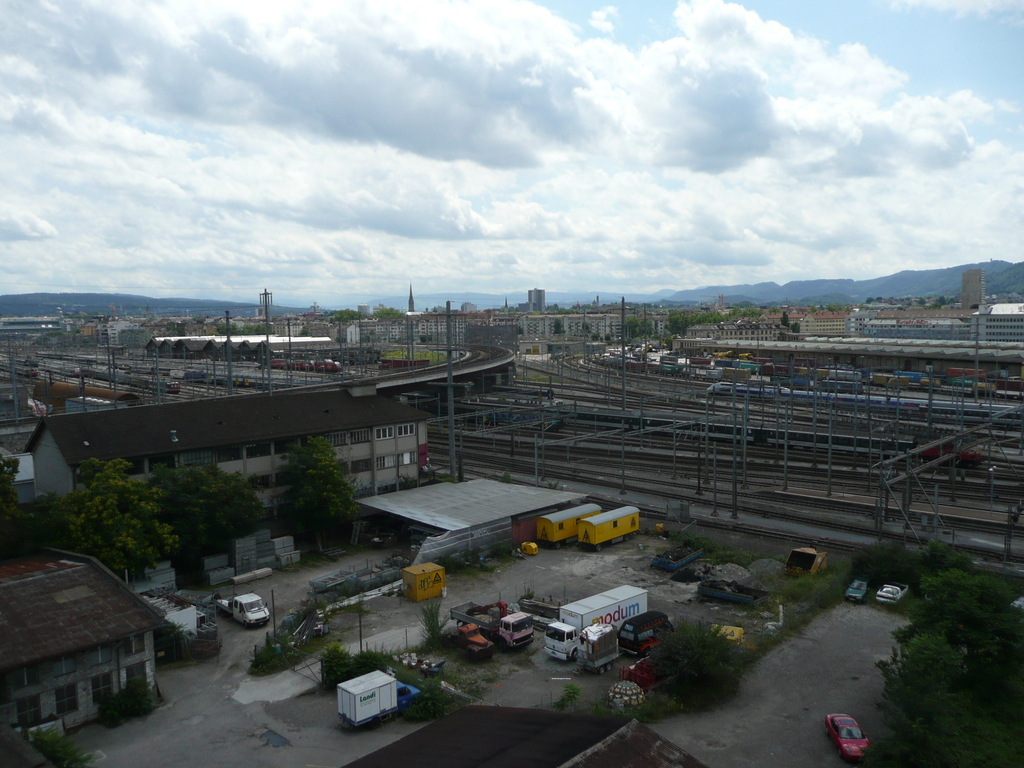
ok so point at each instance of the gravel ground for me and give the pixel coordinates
(206, 720)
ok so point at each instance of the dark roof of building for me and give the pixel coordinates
(16, 752)
(199, 424)
(58, 603)
(506, 737)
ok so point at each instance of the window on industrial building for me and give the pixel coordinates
(66, 698)
(359, 436)
(195, 458)
(64, 666)
(25, 676)
(286, 446)
(263, 481)
(29, 711)
(135, 644)
(101, 654)
(228, 453)
(382, 433)
(360, 465)
(101, 686)
(338, 438)
(406, 429)
(255, 450)
(390, 460)
(138, 467)
(408, 457)
(161, 461)
(133, 671)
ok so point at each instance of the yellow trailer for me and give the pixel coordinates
(609, 528)
(562, 527)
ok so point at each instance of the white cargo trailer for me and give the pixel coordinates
(611, 607)
(371, 696)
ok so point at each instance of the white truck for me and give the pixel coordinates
(562, 637)
(599, 648)
(249, 610)
(373, 697)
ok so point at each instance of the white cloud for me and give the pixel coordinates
(981, 8)
(333, 148)
(602, 20)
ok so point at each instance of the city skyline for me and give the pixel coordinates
(327, 151)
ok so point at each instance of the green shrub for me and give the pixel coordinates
(60, 749)
(265, 660)
(134, 700)
(432, 621)
(431, 704)
(338, 665)
(571, 695)
(505, 478)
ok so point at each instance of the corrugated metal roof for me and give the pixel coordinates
(146, 430)
(454, 506)
(57, 604)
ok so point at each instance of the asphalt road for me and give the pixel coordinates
(214, 714)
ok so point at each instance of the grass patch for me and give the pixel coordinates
(716, 553)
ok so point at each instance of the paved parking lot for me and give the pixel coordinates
(215, 715)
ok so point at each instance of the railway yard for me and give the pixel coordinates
(869, 460)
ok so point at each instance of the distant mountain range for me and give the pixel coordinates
(1001, 277)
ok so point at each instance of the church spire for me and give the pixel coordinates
(412, 305)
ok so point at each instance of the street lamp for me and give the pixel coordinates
(991, 488)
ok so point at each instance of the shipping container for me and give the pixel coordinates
(611, 607)
(423, 582)
(562, 527)
(371, 697)
(609, 527)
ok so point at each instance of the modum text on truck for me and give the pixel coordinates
(561, 639)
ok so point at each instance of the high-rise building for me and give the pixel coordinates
(972, 288)
(536, 301)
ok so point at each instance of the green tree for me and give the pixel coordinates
(60, 749)
(205, 506)
(10, 515)
(115, 519)
(785, 319)
(388, 313)
(558, 327)
(345, 316)
(693, 653)
(319, 495)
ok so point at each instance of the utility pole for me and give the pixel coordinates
(265, 299)
(623, 317)
(227, 350)
(451, 389)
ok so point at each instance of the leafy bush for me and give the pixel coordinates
(887, 562)
(505, 478)
(60, 749)
(338, 665)
(134, 700)
(431, 704)
(264, 660)
(432, 621)
(571, 695)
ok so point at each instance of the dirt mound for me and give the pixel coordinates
(766, 567)
(702, 571)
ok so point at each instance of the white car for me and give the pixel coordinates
(891, 593)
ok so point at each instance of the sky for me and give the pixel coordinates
(335, 152)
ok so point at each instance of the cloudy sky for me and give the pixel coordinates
(335, 151)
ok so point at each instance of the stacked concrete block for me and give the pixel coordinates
(284, 550)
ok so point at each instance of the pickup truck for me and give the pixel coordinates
(891, 593)
(248, 610)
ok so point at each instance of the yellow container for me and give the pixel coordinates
(735, 634)
(558, 528)
(423, 582)
(659, 528)
(528, 548)
(610, 527)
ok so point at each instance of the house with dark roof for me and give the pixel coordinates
(380, 440)
(70, 632)
(508, 737)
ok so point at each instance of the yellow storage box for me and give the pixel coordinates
(609, 528)
(528, 548)
(423, 582)
(558, 528)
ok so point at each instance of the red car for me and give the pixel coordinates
(847, 735)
